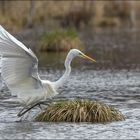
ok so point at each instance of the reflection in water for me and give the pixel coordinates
(56, 60)
(51, 59)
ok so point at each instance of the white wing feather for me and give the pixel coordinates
(19, 67)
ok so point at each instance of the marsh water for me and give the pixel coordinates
(114, 80)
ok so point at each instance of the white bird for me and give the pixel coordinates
(20, 70)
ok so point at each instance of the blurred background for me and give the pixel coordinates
(106, 30)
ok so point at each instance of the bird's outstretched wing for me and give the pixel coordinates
(19, 67)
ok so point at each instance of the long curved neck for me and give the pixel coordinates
(65, 76)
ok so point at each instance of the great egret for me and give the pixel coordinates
(20, 70)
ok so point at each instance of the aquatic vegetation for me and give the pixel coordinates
(60, 40)
(79, 111)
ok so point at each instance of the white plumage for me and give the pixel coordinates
(19, 69)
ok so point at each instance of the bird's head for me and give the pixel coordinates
(76, 52)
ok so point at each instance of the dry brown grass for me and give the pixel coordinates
(14, 14)
(79, 111)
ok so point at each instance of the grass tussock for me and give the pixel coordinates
(79, 111)
(59, 40)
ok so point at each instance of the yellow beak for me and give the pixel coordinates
(87, 57)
